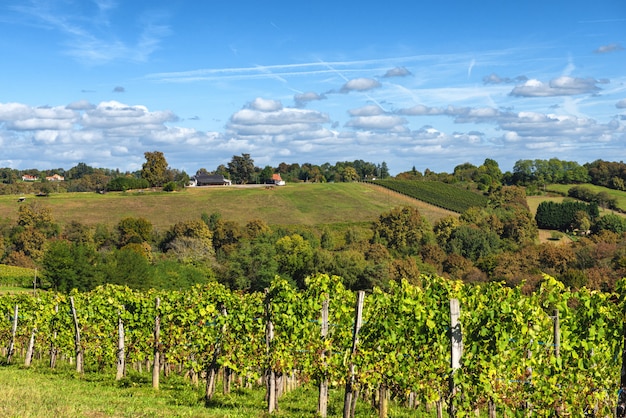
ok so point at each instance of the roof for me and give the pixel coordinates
(211, 179)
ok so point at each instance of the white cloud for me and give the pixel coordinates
(114, 114)
(397, 72)
(370, 110)
(360, 84)
(265, 105)
(561, 86)
(621, 104)
(301, 99)
(609, 48)
(378, 122)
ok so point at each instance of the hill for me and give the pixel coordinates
(618, 195)
(293, 204)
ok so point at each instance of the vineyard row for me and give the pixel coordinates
(440, 342)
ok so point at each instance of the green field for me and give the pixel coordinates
(619, 195)
(293, 204)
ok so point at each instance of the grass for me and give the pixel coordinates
(42, 392)
(618, 195)
(293, 204)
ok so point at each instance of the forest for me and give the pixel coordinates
(497, 241)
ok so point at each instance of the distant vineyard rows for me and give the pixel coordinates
(436, 193)
(16, 276)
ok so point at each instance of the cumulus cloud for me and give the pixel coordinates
(265, 105)
(80, 105)
(369, 110)
(621, 104)
(609, 48)
(561, 86)
(360, 84)
(269, 117)
(301, 99)
(114, 114)
(378, 122)
(397, 72)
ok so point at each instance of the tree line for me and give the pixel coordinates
(498, 242)
(532, 174)
(156, 172)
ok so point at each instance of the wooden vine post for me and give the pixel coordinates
(156, 366)
(213, 367)
(13, 332)
(53, 349)
(557, 353)
(120, 348)
(349, 400)
(620, 409)
(272, 401)
(80, 363)
(456, 350)
(31, 348)
(322, 408)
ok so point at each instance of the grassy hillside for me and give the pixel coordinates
(620, 196)
(302, 204)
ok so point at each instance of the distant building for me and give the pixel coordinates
(209, 180)
(276, 179)
(28, 177)
(55, 177)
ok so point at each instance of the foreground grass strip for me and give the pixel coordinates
(40, 392)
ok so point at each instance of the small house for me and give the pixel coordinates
(28, 177)
(55, 177)
(276, 180)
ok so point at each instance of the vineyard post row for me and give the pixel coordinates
(553, 350)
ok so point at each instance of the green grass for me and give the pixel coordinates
(619, 195)
(42, 392)
(293, 204)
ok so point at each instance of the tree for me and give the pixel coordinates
(241, 169)
(266, 174)
(403, 229)
(295, 258)
(127, 267)
(155, 170)
(350, 174)
(134, 230)
(68, 266)
(472, 242)
(191, 241)
(383, 170)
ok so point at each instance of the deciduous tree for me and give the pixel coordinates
(154, 170)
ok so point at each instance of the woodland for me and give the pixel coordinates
(497, 241)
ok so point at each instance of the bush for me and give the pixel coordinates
(122, 184)
(170, 187)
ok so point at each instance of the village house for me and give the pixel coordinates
(28, 177)
(55, 177)
(276, 180)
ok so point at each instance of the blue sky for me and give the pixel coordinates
(425, 84)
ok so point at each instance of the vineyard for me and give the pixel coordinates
(555, 352)
(436, 193)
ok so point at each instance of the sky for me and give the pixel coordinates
(429, 85)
